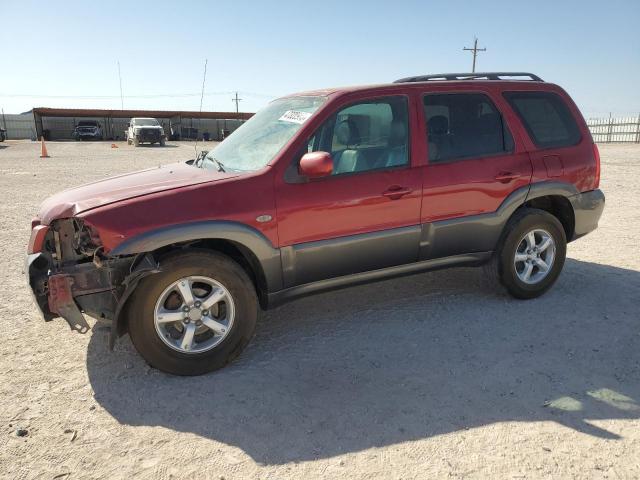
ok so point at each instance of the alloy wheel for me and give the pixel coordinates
(534, 256)
(194, 314)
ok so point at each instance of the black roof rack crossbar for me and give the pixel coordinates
(470, 76)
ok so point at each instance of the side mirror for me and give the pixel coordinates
(316, 164)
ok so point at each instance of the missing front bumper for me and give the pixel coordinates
(100, 292)
(53, 295)
(76, 289)
(61, 302)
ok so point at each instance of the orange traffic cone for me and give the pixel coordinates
(43, 149)
(113, 145)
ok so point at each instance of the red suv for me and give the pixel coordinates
(318, 191)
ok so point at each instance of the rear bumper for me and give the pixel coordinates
(587, 209)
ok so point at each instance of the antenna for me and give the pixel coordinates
(475, 51)
(204, 78)
(120, 78)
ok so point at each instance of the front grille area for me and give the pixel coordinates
(149, 135)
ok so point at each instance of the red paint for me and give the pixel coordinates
(60, 292)
(472, 187)
(346, 204)
(332, 206)
(240, 199)
(316, 164)
(596, 155)
(36, 242)
(104, 192)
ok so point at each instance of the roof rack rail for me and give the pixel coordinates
(471, 76)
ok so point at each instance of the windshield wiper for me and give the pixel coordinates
(219, 163)
(204, 156)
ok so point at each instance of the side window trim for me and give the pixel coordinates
(506, 130)
(291, 173)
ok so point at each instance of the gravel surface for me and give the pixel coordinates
(428, 376)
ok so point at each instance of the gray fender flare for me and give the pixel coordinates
(483, 232)
(244, 236)
(238, 233)
(544, 188)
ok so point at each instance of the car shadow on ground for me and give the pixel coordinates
(400, 360)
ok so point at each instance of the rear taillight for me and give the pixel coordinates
(596, 156)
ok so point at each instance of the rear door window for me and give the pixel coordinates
(464, 125)
(546, 118)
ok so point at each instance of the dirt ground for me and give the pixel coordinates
(428, 376)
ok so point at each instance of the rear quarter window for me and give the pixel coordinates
(546, 117)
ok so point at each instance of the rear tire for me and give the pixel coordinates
(531, 239)
(163, 345)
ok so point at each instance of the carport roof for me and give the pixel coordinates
(89, 112)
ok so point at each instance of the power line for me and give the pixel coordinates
(158, 95)
(475, 51)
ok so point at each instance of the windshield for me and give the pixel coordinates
(257, 141)
(145, 122)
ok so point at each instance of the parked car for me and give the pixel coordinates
(318, 191)
(88, 130)
(3, 134)
(145, 130)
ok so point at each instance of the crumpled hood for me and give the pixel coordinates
(79, 199)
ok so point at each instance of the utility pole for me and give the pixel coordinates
(475, 51)
(237, 100)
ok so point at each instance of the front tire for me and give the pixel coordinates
(136, 142)
(530, 255)
(196, 315)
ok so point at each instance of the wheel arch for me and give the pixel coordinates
(244, 244)
(238, 252)
(554, 198)
(558, 206)
(235, 237)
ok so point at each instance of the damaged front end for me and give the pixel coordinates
(69, 275)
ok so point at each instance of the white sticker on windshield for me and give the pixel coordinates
(295, 116)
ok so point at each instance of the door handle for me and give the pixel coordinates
(506, 177)
(396, 192)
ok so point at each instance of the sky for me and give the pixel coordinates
(66, 54)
